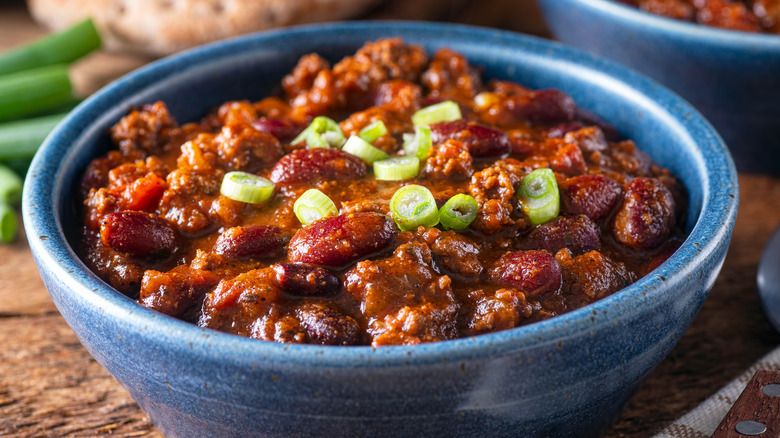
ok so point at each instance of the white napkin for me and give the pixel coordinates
(702, 421)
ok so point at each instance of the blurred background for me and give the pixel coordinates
(135, 32)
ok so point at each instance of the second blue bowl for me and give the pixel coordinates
(732, 77)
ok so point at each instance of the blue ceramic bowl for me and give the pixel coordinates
(568, 376)
(732, 77)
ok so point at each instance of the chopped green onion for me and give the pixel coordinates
(30, 91)
(418, 144)
(539, 196)
(20, 139)
(322, 132)
(313, 205)
(373, 131)
(363, 150)
(446, 111)
(413, 206)
(8, 223)
(60, 48)
(246, 187)
(458, 212)
(10, 186)
(396, 168)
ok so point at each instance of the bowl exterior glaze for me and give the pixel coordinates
(568, 376)
(733, 78)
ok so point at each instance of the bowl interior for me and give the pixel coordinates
(194, 82)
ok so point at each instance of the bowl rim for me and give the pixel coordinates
(53, 253)
(699, 33)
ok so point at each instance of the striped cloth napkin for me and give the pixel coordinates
(702, 421)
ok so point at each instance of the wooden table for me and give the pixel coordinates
(50, 386)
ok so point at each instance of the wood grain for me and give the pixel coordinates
(50, 386)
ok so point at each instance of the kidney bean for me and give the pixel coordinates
(546, 107)
(306, 280)
(308, 165)
(591, 195)
(253, 241)
(533, 272)
(589, 139)
(338, 240)
(579, 234)
(646, 216)
(558, 131)
(284, 130)
(481, 140)
(327, 326)
(138, 233)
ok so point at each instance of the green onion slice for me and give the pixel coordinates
(396, 168)
(446, 111)
(8, 223)
(313, 205)
(539, 196)
(458, 212)
(418, 144)
(413, 206)
(373, 131)
(363, 150)
(246, 187)
(323, 132)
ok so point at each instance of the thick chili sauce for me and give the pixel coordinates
(741, 15)
(157, 228)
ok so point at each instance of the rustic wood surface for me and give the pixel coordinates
(50, 386)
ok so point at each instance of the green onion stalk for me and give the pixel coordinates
(28, 92)
(20, 139)
(10, 186)
(60, 48)
(8, 223)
